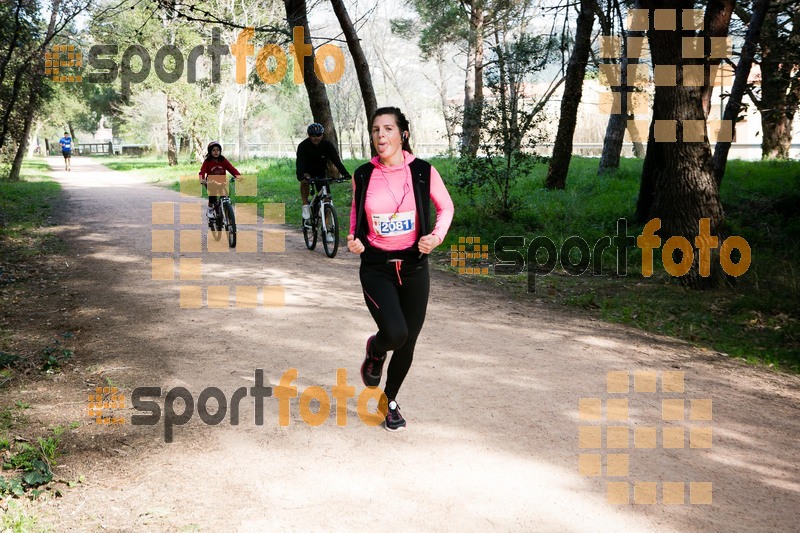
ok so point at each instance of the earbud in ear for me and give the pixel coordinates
(405, 136)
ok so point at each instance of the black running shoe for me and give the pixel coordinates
(372, 367)
(394, 420)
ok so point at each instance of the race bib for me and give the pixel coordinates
(387, 225)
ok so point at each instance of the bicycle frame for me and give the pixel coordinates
(223, 205)
(322, 197)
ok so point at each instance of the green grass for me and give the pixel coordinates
(25, 206)
(757, 318)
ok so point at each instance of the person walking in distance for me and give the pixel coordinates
(390, 230)
(313, 155)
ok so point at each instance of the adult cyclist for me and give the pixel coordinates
(313, 155)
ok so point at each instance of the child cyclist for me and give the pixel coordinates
(215, 164)
(390, 229)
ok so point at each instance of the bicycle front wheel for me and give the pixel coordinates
(330, 240)
(231, 225)
(218, 222)
(310, 232)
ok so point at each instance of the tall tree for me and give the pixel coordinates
(297, 17)
(359, 61)
(780, 78)
(734, 104)
(618, 122)
(62, 12)
(473, 85)
(678, 185)
(573, 90)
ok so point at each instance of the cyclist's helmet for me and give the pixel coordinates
(212, 144)
(316, 129)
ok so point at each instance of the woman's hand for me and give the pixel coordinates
(428, 243)
(354, 245)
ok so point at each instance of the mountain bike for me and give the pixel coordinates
(323, 217)
(224, 218)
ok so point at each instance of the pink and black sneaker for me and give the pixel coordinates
(372, 367)
(394, 420)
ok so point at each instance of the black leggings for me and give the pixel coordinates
(398, 310)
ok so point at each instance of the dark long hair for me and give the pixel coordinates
(220, 158)
(399, 118)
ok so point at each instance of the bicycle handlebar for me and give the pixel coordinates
(229, 181)
(327, 179)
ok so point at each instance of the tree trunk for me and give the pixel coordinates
(16, 166)
(682, 173)
(573, 90)
(473, 86)
(241, 141)
(360, 62)
(644, 204)
(172, 152)
(197, 147)
(734, 105)
(716, 22)
(780, 85)
(12, 42)
(36, 76)
(777, 131)
(297, 16)
(617, 122)
(34, 139)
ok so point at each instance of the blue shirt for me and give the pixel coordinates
(66, 143)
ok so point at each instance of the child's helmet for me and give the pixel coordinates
(315, 129)
(213, 144)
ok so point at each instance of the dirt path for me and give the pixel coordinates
(492, 402)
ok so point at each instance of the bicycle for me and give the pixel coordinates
(323, 217)
(224, 216)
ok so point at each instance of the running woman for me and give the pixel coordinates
(216, 165)
(390, 229)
